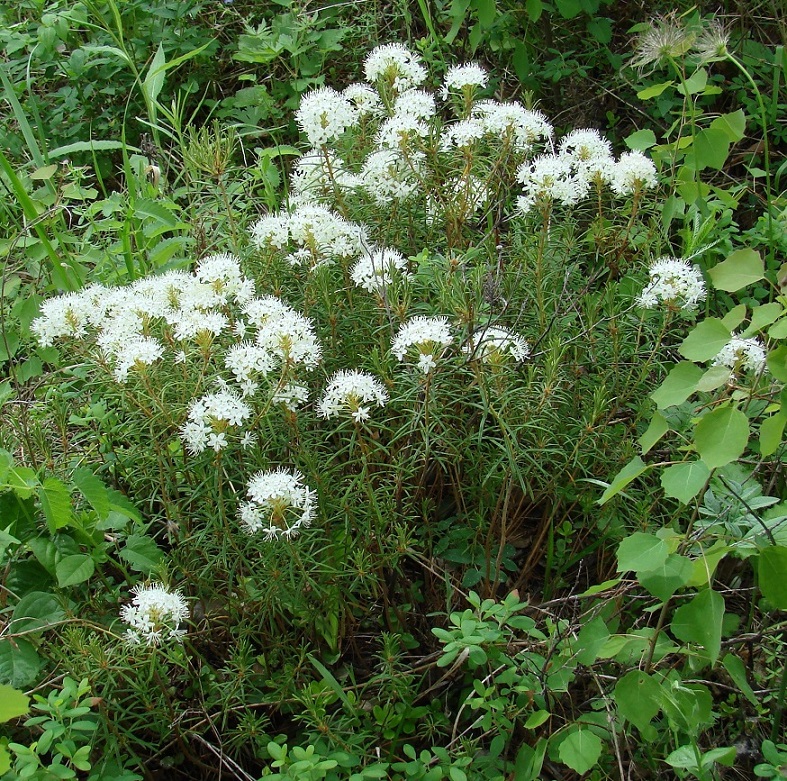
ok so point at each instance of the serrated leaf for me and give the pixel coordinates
(75, 569)
(700, 621)
(678, 385)
(154, 80)
(580, 750)
(772, 575)
(721, 436)
(741, 268)
(142, 553)
(684, 481)
(638, 695)
(630, 472)
(93, 490)
(641, 551)
(656, 430)
(56, 503)
(665, 580)
(705, 340)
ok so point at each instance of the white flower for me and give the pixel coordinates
(388, 175)
(400, 130)
(674, 281)
(504, 120)
(551, 178)
(347, 391)
(291, 339)
(462, 134)
(262, 310)
(460, 76)
(190, 323)
(155, 614)
(271, 232)
(222, 272)
(415, 103)
(364, 98)
(279, 505)
(395, 65)
(209, 416)
(376, 270)
(492, 343)
(136, 353)
(324, 114)
(632, 173)
(292, 396)
(249, 439)
(746, 354)
(429, 335)
(65, 315)
(585, 144)
(315, 177)
(323, 236)
(246, 359)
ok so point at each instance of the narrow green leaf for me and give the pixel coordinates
(705, 340)
(721, 436)
(737, 671)
(630, 472)
(656, 430)
(741, 268)
(154, 80)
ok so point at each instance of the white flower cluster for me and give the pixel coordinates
(745, 354)
(395, 66)
(675, 282)
(493, 344)
(461, 77)
(377, 269)
(184, 307)
(154, 615)
(279, 505)
(429, 335)
(314, 233)
(209, 418)
(324, 114)
(353, 392)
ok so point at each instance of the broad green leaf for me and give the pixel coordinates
(654, 91)
(737, 671)
(22, 481)
(700, 621)
(56, 503)
(600, 28)
(142, 553)
(591, 640)
(630, 472)
(734, 317)
(777, 363)
(761, 316)
(695, 83)
(580, 750)
(534, 9)
(684, 481)
(154, 80)
(13, 703)
(715, 377)
(568, 9)
(641, 140)
(771, 433)
(732, 125)
(705, 340)
(772, 572)
(678, 385)
(36, 611)
(665, 580)
(721, 436)
(535, 720)
(93, 490)
(710, 150)
(75, 569)
(641, 551)
(684, 758)
(19, 662)
(656, 430)
(704, 566)
(741, 268)
(487, 11)
(779, 329)
(638, 697)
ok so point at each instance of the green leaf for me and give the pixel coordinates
(705, 340)
(656, 430)
(732, 125)
(630, 472)
(741, 268)
(721, 436)
(75, 569)
(56, 503)
(580, 750)
(534, 9)
(737, 671)
(734, 317)
(600, 28)
(13, 703)
(638, 697)
(710, 150)
(536, 719)
(142, 553)
(762, 315)
(695, 83)
(654, 91)
(700, 621)
(772, 573)
(487, 11)
(714, 378)
(641, 551)
(19, 662)
(568, 9)
(771, 433)
(591, 639)
(154, 80)
(678, 385)
(641, 140)
(684, 481)
(665, 580)
(777, 363)
(94, 491)
(90, 146)
(36, 610)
